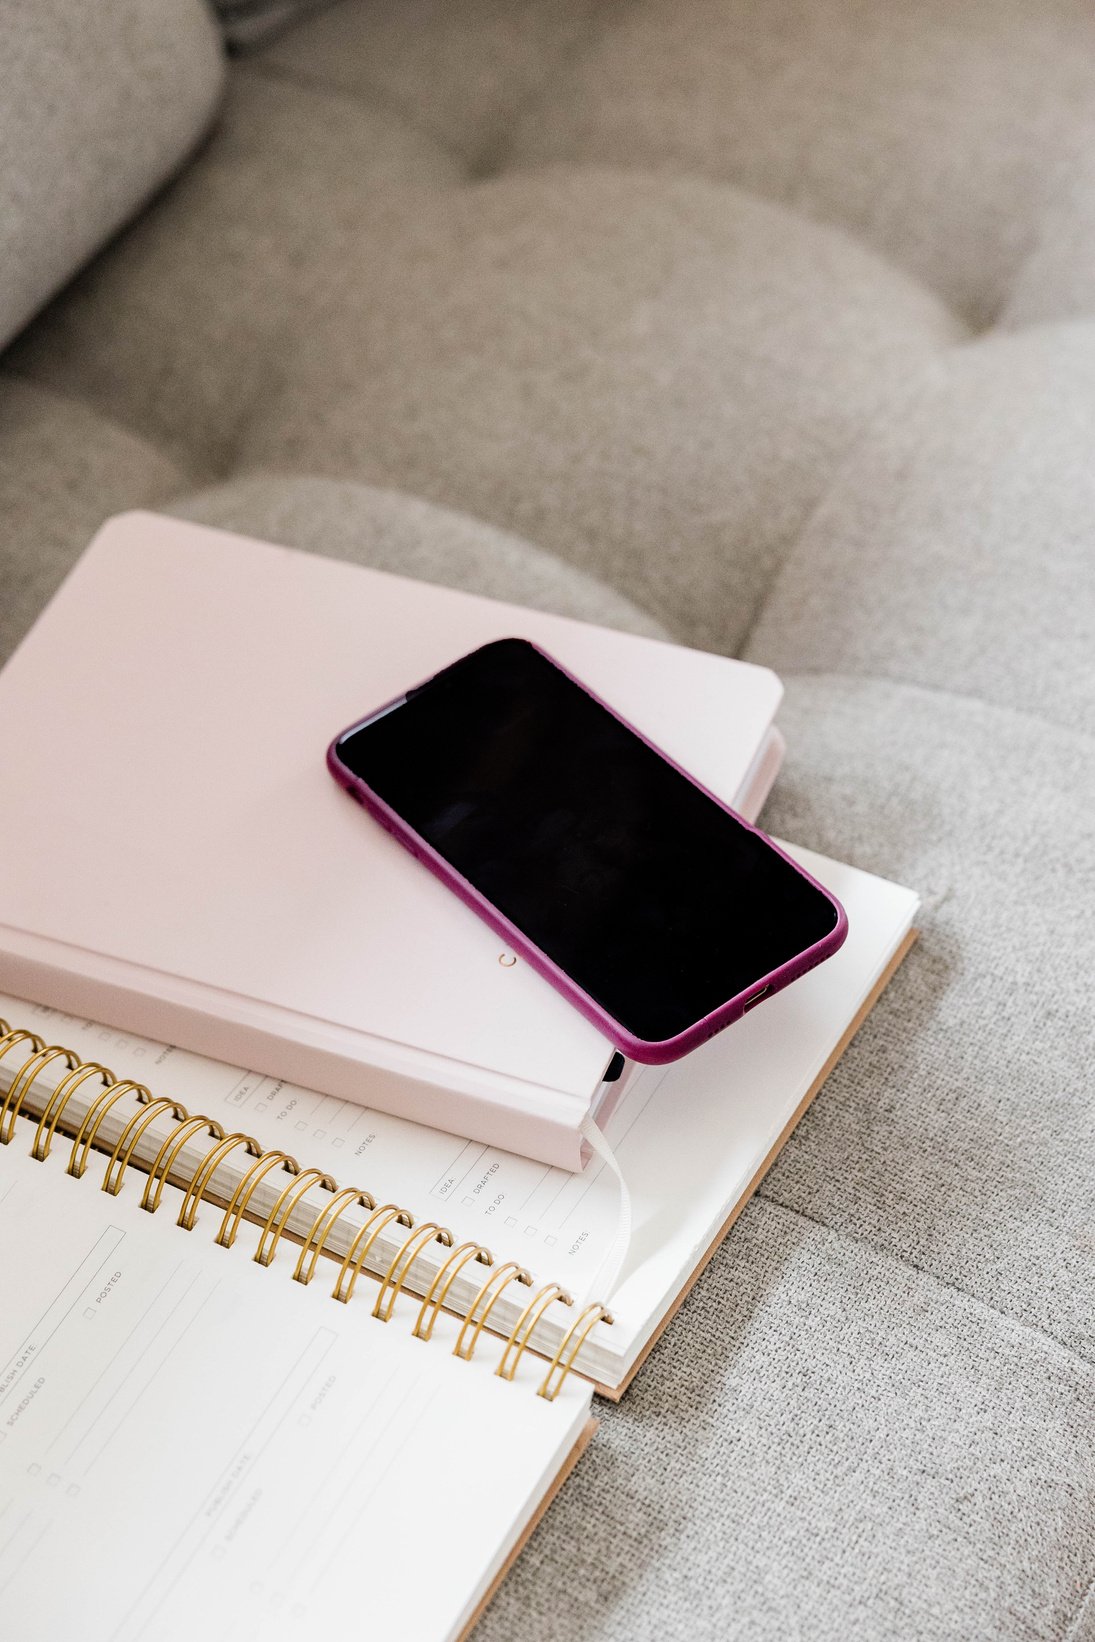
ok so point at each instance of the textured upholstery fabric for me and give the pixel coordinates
(462, 71)
(1057, 278)
(955, 549)
(828, 1445)
(934, 130)
(177, 330)
(63, 470)
(248, 23)
(769, 324)
(653, 378)
(957, 1133)
(79, 81)
(409, 537)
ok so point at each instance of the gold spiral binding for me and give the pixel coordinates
(358, 1252)
(400, 1268)
(129, 1139)
(17, 1034)
(241, 1197)
(164, 1161)
(438, 1291)
(93, 1117)
(203, 1174)
(10, 1038)
(323, 1225)
(27, 1075)
(498, 1281)
(525, 1326)
(569, 1346)
(55, 1105)
(281, 1213)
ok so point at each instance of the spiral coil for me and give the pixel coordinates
(88, 1131)
(434, 1300)
(525, 1326)
(249, 1184)
(323, 1225)
(216, 1148)
(494, 1287)
(10, 1038)
(21, 1083)
(282, 1212)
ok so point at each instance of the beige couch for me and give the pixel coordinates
(769, 324)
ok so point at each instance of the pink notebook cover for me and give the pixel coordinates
(177, 861)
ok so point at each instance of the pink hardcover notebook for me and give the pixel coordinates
(177, 861)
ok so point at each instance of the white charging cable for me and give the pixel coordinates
(606, 1275)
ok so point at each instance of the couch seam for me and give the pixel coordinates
(890, 414)
(374, 97)
(492, 161)
(1040, 721)
(846, 1236)
(90, 406)
(895, 409)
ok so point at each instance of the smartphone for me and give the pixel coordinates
(644, 899)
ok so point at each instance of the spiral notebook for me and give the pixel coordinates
(192, 1446)
(691, 1141)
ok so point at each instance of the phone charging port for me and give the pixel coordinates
(756, 998)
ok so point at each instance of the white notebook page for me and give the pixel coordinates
(192, 1445)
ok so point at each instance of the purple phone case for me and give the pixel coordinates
(650, 1053)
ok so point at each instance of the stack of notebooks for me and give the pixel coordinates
(211, 1442)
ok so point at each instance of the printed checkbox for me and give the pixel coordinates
(551, 1241)
(53, 1479)
(511, 1220)
(261, 1105)
(320, 1134)
(33, 1468)
(530, 1231)
(89, 1311)
(72, 1490)
(302, 1124)
(469, 1202)
(337, 1141)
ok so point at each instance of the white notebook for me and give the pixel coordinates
(178, 860)
(193, 1443)
(193, 1447)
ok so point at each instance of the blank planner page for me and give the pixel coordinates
(194, 1445)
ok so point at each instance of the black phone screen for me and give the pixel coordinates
(655, 900)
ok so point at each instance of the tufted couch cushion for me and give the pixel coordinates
(650, 376)
(954, 549)
(178, 328)
(100, 104)
(769, 325)
(63, 470)
(934, 131)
